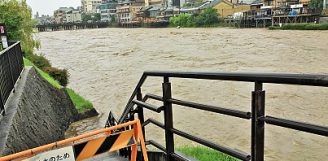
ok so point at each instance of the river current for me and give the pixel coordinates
(106, 64)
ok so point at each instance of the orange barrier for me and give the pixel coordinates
(108, 143)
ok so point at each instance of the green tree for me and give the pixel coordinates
(183, 20)
(316, 5)
(86, 17)
(91, 17)
(96, 17)
(207, 17)
(17, 16)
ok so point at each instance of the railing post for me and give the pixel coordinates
(140, 110)
(168, 119)
(141, 118)
(258, 110)
(129, 128)
(11, 70)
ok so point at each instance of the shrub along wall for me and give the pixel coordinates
(206, 18)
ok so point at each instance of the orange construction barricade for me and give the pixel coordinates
(88, 145)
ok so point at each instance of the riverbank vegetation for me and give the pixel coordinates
(17, 16)
(302, 26)
(45, 75)
(80, 103)
(207, 18)
(205, 154)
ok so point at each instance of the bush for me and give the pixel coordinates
(39, 60)
(183, 20)
(206, 18)
(61, 75)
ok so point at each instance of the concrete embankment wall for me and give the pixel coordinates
(37, 114)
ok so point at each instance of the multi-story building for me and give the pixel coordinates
(90, 6)
(153, 2)
(127, 10)
(60, 14)
(73, 16)
(67, 15)
(107, 10)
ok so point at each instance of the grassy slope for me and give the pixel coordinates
(80, 103)
(205, 154)
(43, 74)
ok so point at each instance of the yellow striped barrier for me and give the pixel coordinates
(88, 145)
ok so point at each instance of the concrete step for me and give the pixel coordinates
(107, 157)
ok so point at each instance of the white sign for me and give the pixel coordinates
(296, 6)
(4, 42)
(63, 154)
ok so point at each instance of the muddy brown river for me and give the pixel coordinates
(106, 64)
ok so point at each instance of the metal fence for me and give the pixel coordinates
(11, 66)
(257, 116)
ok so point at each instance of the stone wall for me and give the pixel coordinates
(37, 114)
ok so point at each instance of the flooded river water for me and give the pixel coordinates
(106, 64)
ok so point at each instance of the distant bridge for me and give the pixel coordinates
(71, 26)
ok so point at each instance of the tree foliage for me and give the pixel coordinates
(183, 20)
(316, 5)
(207, 17)
(17, 16)
(91, 17)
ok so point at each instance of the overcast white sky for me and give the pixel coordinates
(49, 6)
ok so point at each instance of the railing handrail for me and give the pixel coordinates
(257, 115)
(272, 78)
(11, 65)
(8, 48)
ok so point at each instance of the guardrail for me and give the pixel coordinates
(11, 66)
(257, 115)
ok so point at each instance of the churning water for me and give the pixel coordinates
(106, 64)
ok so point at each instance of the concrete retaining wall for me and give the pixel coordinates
(37, 114)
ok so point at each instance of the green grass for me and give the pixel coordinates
(301, 26)
(80, 103)
(205, 154)
(45, 75)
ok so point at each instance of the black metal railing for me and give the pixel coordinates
(257, 114)
(11, 66)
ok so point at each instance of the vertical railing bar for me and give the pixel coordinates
(141, 117)
(257, 134)
(18, 67)
(140, 110)
(131, 118)
(10, 69)
(168, 119)
(2, 105)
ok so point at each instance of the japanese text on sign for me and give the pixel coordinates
(63, 154)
